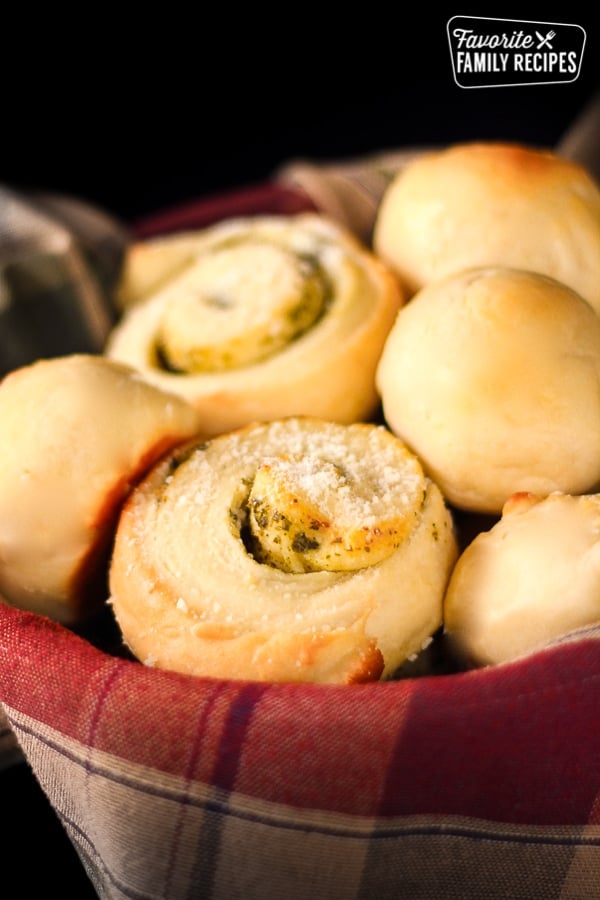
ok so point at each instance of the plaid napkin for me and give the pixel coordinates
(59, 261)
(483, 784)
(472, 785)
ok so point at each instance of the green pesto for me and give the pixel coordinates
(261, 513)
(301, 542)
(314, 302)
(281, 520)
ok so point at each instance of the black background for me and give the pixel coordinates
(142, 120)
(175, 105)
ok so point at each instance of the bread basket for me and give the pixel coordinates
(463, 785)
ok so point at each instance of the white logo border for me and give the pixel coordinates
(470, 87)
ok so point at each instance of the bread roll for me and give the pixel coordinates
(492, 377)
(532, 578)
(492, 204)
(296, 550)
(76, 432)
(276, 316)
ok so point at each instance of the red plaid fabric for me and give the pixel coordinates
(263, 198)
(483, 784)
(475, 785)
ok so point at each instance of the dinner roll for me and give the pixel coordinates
(76, 433)
(492, 376)
(270, 316)
(531, 579)
(482, 204)
(295, 550)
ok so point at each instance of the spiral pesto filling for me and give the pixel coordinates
(238, 305)
(307, 514)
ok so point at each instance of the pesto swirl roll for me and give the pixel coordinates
(270, 316)
(295, 550)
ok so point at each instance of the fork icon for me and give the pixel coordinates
(545, 41)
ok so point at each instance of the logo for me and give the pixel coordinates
(508, 52)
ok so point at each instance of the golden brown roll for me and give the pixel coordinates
(274, 316)
(492, 204)
(296, 550)
(529, 580)
(76, 432)
(492, 376)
